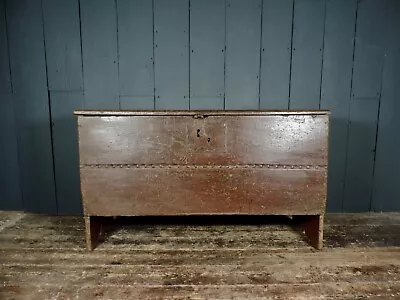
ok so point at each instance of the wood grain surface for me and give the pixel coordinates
(250, 257)
(274, 139)
(201, 163)
(176, 190)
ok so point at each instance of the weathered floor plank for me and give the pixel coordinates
(8, 219)
(255, 273)
(44, 257)
(331, 290)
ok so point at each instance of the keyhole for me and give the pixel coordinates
(198, 132)
(208, 140)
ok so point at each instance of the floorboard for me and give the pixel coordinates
(44, 257)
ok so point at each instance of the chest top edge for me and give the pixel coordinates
(200, 113)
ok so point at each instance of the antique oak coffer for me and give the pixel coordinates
(142, 163)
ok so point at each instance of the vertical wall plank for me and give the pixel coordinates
(135, 44)
(205, 103)
(28, 68)
(99, 51)
(65, 78)
(122, 29)
(308, 31)
(65, 145)
(336, 88)
(11, 198)
(367, 74)
(275, 55)
(63, 51)
(207, 55)
(360, 154)
(243, 37)
(5, 79)
(368, 58)
(386, 193)
(171, 41)
(136, 102)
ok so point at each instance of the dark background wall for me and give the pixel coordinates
(61, 55)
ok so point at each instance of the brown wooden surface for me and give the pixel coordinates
(182, 190)
(93, 230)
(271, 139)
(313, 227)
(44, 257)
(199, 113)
(185, 163)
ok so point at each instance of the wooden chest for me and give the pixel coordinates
(135, 163)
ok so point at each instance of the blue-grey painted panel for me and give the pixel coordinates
(207, 42)
(27, 56)
(386, 192)
(28, 68)
(5, 78)
(207, 103)
(336, 88)
(243, 41)
(360, 154)
(308, 31)
(135, 46)
(65, 145)
(63, 44)
(275, 55)
(11, 198)
(171, 42)
(369, 51)
(99, 51)
(137, 102)
(130, 84)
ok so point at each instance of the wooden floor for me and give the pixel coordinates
(43, 257)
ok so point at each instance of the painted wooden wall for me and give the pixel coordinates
(61, 55)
